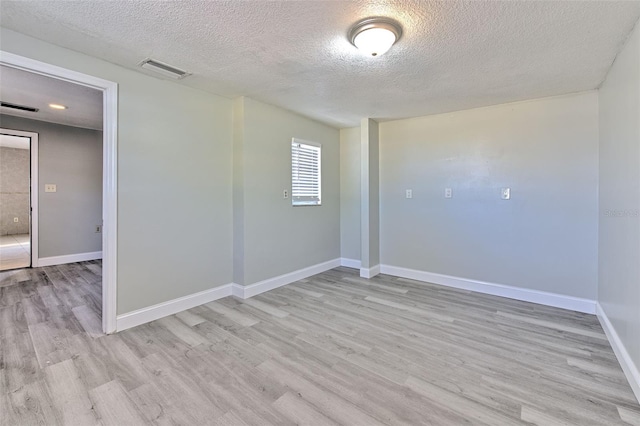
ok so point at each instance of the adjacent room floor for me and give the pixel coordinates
(331, 349)
(15, 251)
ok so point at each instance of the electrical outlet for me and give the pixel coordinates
(505, 193)
(98, 229)
(50, 187)
(15, 219)
(448, 193)
(285, 193)
(409, 193)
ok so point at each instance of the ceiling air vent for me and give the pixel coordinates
(164, 69)
(18, 107)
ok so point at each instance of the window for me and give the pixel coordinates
(306, 185)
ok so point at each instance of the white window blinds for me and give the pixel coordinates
(305, 174)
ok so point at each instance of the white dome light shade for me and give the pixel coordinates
(375, 41)
(374, 36)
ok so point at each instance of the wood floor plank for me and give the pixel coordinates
(114, 406)
(91, 323)
(265, 307)
(190, 318)
(69, 394)
(333, 348)
(233, 315)
(478, 413)
(328, 403)
(31, 404)
(300, 411)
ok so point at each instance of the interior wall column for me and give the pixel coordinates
(370, 200)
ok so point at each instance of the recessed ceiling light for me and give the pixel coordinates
(374, 36)
(57, 106)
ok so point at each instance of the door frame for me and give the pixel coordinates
(109, 91)
(33, 188)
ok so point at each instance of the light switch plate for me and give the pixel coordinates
(505, 193)
(50, 187)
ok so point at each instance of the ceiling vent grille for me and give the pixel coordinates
(18, 107)
(164, 69)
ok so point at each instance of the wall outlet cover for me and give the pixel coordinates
(505, 193)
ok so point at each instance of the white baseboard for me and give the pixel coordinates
(70, 258)
(151, 313)
(541, 297)
(237, 290)
(161, 310)
(628, 366)
(370, 272)
(245, 292)
(350, 263)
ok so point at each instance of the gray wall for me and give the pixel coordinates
(71, 158)
(544, 238)
(619, 243)
(14, 190)
(350, 193)
(277, 237)
(174, 179)
(370, 193)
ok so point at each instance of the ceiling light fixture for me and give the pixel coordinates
(57, 106)
(374, 36)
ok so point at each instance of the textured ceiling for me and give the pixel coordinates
(37, 91)
(453, 55)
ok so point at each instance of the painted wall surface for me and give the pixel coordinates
(280, 238)
(350, 193)
(545, 238)
(238, 190)
(14, 190)
(174, 172)
(619, 243)
(370, 193)
(71, 158)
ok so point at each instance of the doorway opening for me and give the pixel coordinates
(109, 170)
(16, 198)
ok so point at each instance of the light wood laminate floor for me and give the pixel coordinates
(331, 349)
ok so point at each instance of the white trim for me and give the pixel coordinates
(626, 362)
(534, 296)
(161, 310)
(237, 290)
(33, 196)
(109, 167)
(370, 272)
(350, 263)
(245, 292)
(69, 258)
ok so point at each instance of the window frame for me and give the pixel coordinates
(300, 203)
